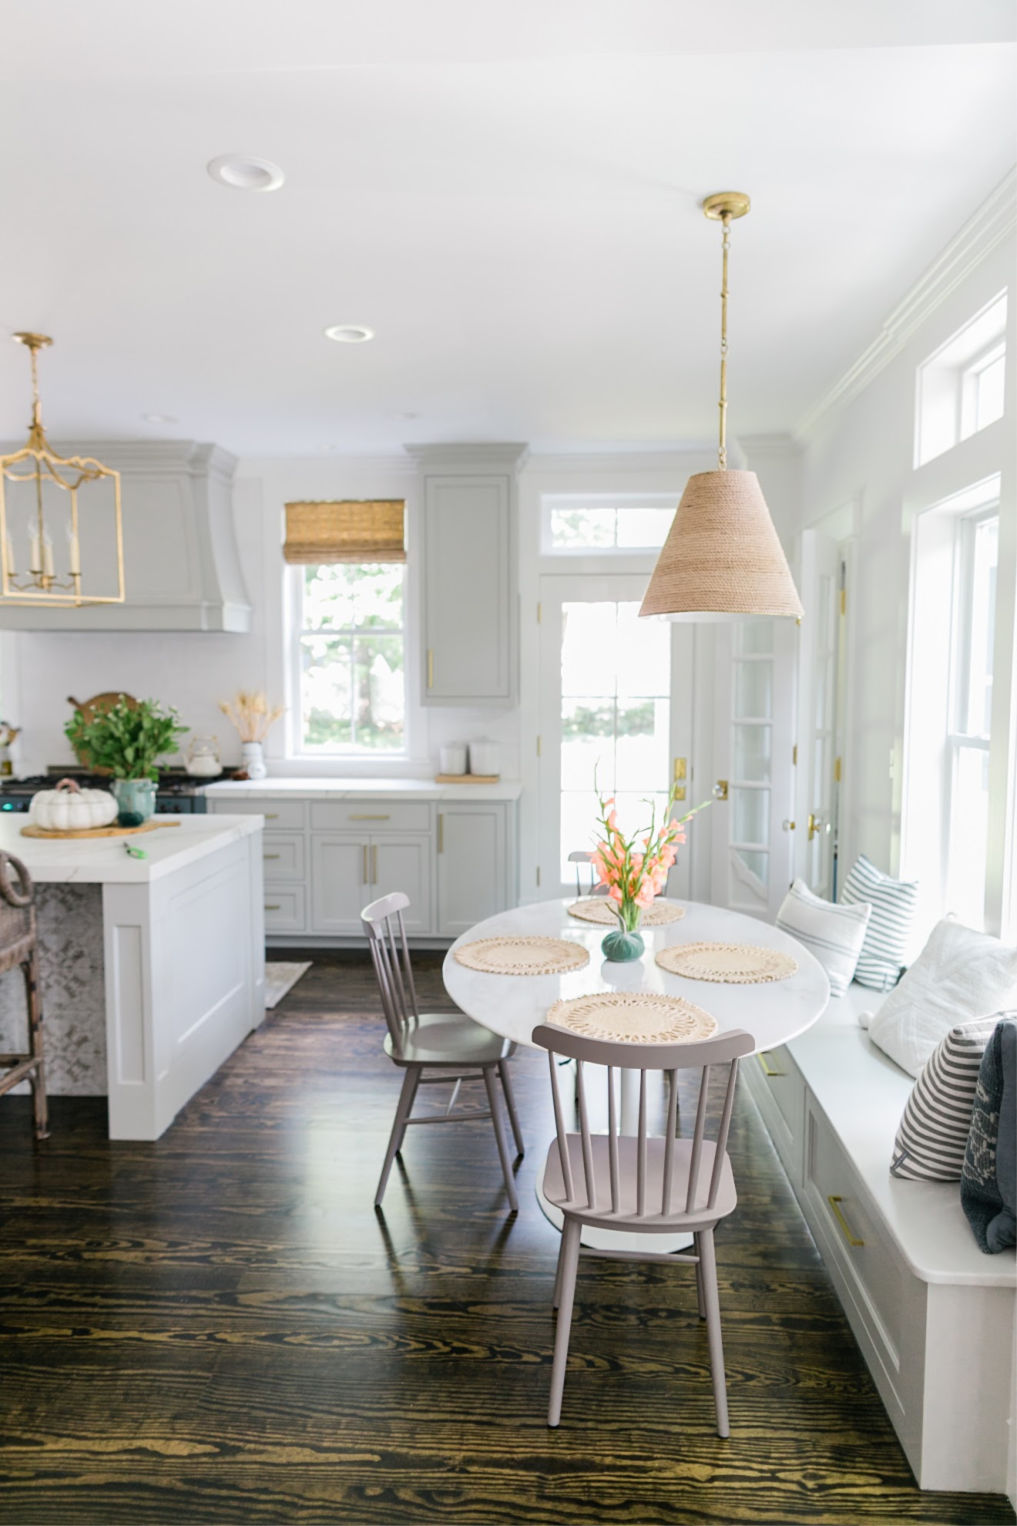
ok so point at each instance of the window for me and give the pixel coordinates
(350, 615)
(961, 386)
(594, 525)
(969, 736)
(949, 744)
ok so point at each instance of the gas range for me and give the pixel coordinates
(177, 793)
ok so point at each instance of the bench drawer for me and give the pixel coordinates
(371, 817)
(280, 815)
(285, 909)
(860, 1256)
(283, 856)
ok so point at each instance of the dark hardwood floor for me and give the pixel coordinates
(219, 1328)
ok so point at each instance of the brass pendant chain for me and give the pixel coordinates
(722, 447)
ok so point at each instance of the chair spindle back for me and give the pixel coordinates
(382, 921)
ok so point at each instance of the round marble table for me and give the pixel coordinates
(512, 1005)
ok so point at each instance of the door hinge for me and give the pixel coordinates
(538, 746)
(836, 770)
(794, 756)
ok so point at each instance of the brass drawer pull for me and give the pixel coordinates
(768, 1069)
(273, 908)
(271, 815)
(835, 1200)
(271, 855)
(386, 817)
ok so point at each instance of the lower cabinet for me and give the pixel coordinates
(349, 869)
(324, 860)
(474, 879)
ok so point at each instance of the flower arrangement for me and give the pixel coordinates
(249, 712)
(635, 868)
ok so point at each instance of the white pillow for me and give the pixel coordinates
(959, 976)
(833, 934)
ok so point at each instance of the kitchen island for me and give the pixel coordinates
(152, 969)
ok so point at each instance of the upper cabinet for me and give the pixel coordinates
(181, 569)
(469, 503)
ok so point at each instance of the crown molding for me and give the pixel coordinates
(258, 466)
(501, 455)
(990, 224)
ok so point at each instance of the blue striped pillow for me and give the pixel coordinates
(885, 948)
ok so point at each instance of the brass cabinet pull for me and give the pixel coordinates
(386, 817)
(768, 1070)
(271, 815)
(272, 908)
(835, 1200)
(441, 832)
(374, 863)
(430, 668)
(271, 855)
(366, 879)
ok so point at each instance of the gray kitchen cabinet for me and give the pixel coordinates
(349, 869)
(470, 622)
(475, 862)
(181, 566)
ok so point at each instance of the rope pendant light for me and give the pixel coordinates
(722, 558)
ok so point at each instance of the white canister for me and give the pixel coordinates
(452, 758)
(485, 757)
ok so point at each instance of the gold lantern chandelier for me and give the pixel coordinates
(45, 502)
(722, 558)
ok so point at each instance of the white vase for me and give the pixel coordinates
(253, 755)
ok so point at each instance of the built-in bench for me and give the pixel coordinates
(934, 1316)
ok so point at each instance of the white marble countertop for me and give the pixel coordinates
(358, 789)
(103, 860)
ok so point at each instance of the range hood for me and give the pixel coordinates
(181, 567)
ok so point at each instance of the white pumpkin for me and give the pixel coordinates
(69, 808)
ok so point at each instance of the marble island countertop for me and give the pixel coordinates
(103, 860)
(354, 789)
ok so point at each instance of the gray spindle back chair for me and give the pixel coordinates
(641, 1183)
(423, 1043)
(583, 856)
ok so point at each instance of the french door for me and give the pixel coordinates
(615, 716)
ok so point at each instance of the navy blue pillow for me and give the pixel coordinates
(989, 1178)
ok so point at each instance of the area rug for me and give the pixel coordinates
(280, 978)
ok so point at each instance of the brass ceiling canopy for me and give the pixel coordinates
(46, 502)
(722, 558)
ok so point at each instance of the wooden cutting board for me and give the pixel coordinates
(146, 826)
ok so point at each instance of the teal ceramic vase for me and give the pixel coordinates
(135, 799)
(621, 945)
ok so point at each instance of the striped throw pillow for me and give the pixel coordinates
(933, 1131)
(832, 933)
(885, 949)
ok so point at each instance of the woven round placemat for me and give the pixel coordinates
(630, 1017)
(522, 956)
(598, 909)
(733, 963)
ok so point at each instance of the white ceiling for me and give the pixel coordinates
(508, 194)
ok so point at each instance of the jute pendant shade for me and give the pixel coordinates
(722, 557)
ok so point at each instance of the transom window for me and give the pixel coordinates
(593, 524)
(961, 386)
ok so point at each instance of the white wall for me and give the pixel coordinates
(862, 452)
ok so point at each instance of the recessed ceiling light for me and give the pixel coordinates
(160, 418)
(349, 333)
(245, 173)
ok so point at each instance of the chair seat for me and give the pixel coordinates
(449, 1038)
(652, 1220)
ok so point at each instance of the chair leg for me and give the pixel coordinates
(37, 1079)
(556, 1295)
(411, 1080)
(510, 1103)
(565, 1289)
(708, 1264)
(499, 1134)
(699, 1290)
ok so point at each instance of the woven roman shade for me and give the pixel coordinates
(351, 530)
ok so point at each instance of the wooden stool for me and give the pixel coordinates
(18, 940)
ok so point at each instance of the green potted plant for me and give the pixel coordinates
(127, 740)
